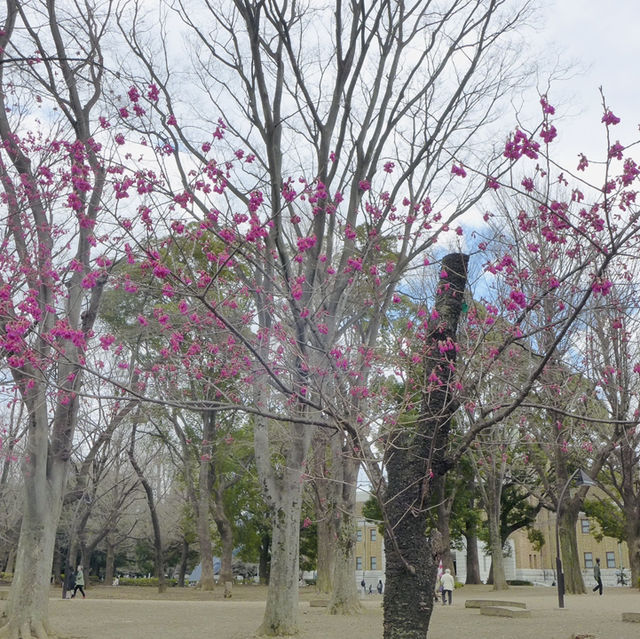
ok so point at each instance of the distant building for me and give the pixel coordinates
(522, 562)
(370, 559)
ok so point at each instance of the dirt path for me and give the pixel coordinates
(118, 613)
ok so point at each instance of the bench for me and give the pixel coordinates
(483, 603)
(634, 617)
(503, 611)
(4, 594)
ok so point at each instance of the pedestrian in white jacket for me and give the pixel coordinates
(448, 585)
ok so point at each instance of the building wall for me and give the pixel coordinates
(522, 562)
(539, 566)
(370, 559)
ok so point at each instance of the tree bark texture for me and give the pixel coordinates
(155, 521)
(573, 582)
(473, 561)
(281, 612)
(415, 455)
(344, 595)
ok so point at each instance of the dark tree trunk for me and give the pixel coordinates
(157, 536)
(184, 557)
(473, 563)
(265, 558)
(110, 560)
(443, 521)
(415, 455)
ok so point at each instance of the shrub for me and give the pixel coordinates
(519, 582)
(144, 581)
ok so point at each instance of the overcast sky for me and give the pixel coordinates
(603, 38)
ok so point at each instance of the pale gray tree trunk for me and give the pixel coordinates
(204, 532)
(344, 598)
(497, 558)
(281, 613)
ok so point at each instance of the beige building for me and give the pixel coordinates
(539, 566)
(369, 548)
(523, 561)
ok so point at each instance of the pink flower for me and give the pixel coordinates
(610, 119)
(459, 171)
(364, 185)
(547, 109)
(616, 151)
(549, 133)
(134, 94)
(527, 183)
(153, 93)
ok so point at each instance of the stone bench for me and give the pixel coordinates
(631, 616)
(4, 594)
(319, 603)
(483, 603)
(503, 611)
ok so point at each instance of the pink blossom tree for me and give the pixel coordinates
(53, 268)
(324, 181)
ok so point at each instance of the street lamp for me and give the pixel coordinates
(583, 480)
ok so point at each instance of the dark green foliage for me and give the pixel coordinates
(372, 511)
(537, 538)
(609, 517)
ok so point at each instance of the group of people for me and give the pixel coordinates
(379, 587)
(77, 582)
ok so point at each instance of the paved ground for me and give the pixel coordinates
(110, 613)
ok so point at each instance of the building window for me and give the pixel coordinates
(588, 560)
(373, 534)
(374, 563)
(586, 528)
(358, 563)
(611, 560)
(359, 534)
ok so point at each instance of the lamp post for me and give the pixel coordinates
(583, 480)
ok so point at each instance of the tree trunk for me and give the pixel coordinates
(157, 535)
(573, 582)
(110, 560)
(415, 454)
(473, 562)
(325, 506)
(265, 559)
(281, 612)
(226, 535)
(326, 556)
(344, 598)
(204, 538)
(184, 557)
(28, 605)
(443, 522)
(497, 558)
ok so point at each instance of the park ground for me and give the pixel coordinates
(142, 613)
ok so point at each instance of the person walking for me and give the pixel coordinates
(448, 584)
(380, 586)
(79, 583)
(597, 576)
